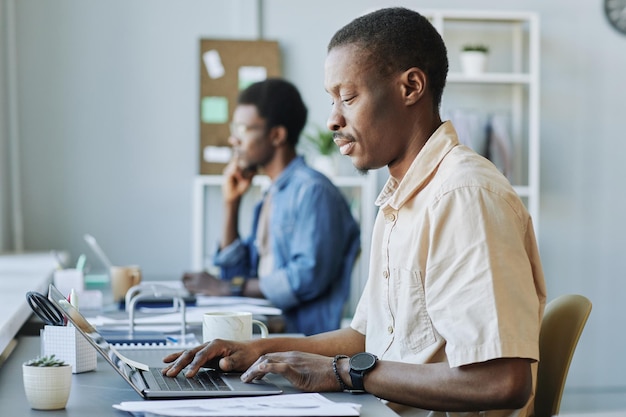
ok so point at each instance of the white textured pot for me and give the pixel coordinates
(47, 388)
(473, 62)
(326, 164)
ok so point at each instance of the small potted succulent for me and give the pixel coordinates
(47, 382)
(323, 145)
(474, 58)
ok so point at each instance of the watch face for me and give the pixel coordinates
(362, 361)
(615, 11)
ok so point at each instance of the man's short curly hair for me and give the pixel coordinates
(278, 102)
(398, 39)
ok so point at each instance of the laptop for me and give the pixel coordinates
(148, 381)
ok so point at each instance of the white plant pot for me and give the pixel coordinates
(47, 388)
(473, 62)
(326, 164)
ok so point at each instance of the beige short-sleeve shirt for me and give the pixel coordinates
(455, 274)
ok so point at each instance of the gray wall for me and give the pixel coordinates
(108, 122)
(5, 221)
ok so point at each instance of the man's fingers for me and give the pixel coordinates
(266, 365)
(179, 364)
(182, 359)
(172, 357)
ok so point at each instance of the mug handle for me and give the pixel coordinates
(136, 277)
(262, 327)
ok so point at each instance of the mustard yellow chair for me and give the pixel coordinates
(563, 322)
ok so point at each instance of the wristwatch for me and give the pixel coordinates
(236, 285)
(360, 364)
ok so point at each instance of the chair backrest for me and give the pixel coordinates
(563, 322)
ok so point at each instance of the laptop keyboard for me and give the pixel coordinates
(203, 381)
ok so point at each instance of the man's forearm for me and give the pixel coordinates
(231, 223)
(345, 341)
(504, 383)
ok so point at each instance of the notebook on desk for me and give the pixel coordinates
(148, 381)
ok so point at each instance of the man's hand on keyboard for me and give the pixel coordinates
(218, 354)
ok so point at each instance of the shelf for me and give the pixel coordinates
(480, 15)
(522, 190)
(510, 86)
(490, 78)
(263, 181)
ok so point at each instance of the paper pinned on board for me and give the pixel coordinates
(250, 75)
(213, 63)
(311, 404)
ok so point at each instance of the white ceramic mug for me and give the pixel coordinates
(122, 279)
(230, 326)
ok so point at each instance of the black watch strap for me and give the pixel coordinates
(360, 364)
(357, 380)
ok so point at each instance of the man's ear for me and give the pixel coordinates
(278, 135)
(414, 84)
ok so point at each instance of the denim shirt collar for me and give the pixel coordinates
(285, 176)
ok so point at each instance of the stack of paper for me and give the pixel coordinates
(277, 405)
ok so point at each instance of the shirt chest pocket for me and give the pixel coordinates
(412, 325)
(283, 226)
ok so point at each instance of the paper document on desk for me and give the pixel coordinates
(193, 315)
(206, 300)
(276, 405)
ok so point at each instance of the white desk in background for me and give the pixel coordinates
(20, 273)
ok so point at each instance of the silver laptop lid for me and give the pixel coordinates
(132, 371)
(97, 341)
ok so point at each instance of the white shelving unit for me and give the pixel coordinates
(512, 76)
(360, 192)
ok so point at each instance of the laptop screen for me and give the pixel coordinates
(144, 379)
(124, 366)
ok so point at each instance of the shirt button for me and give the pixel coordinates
(390, 217)
(390, 329)
(386, 273)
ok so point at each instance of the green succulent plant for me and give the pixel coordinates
(322, 141)
(46, 361)
(478, 47)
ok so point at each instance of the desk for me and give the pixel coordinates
(94, 393)
(19, 274)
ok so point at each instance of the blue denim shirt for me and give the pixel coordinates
(314, 239)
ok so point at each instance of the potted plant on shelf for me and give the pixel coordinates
(324, 149)
(474, 58)
(47, 382)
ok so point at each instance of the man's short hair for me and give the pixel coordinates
(398, 39)
(279, 103)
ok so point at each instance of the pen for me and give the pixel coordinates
(73, 299)
(80, 264)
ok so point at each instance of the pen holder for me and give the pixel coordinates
(67, 344)
(67, 279)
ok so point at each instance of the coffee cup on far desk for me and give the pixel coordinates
(230, 326)
(122, 279)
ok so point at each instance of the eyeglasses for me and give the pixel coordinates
(240, 130)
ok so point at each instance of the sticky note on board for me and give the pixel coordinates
(214, 109)
(213, 63)
(217, 154)
(250, 75)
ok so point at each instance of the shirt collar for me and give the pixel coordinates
(283, 179)
(395, 193)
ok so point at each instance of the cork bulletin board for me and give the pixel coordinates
(227, 67)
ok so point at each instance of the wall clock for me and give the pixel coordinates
(615, 12)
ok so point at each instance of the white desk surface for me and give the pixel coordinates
(20, 273)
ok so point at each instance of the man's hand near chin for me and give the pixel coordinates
(237, 180)
(205, 284)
